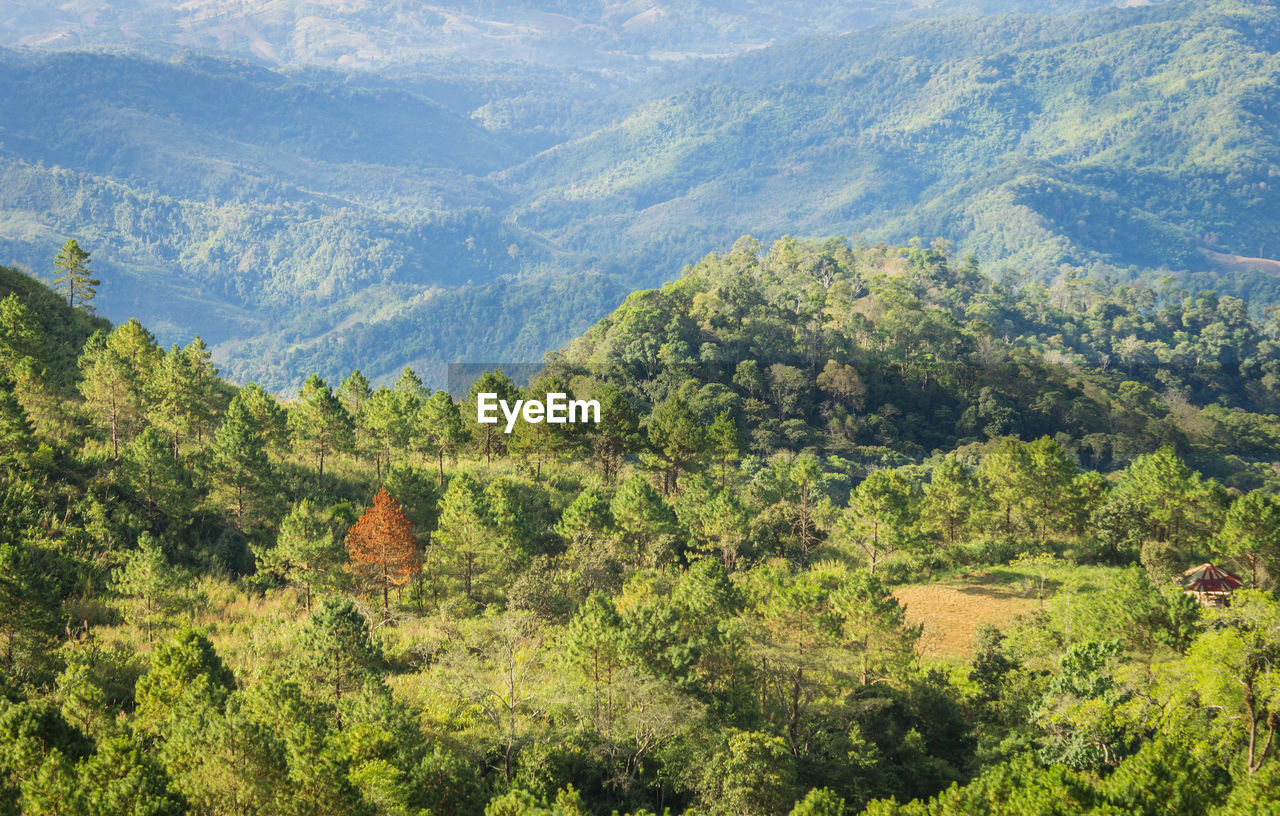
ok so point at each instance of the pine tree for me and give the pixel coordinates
(489, 436)
(951, 495)
(1052, 473)
(1178, 502)
(409, 386)
(725, 528)
(382, 546)
(676, 439)
(319, 421)
(354, 394)
(806, 475)
(461, 536)
(586, 528)
(108, 388)
(1006, 473)
(183, 693)
(875, 628)
(544, 442)
(440, 426)
(123, 778)
(306, 553)
(186, 675)
(338, 652)
(240, 460)
(723, 436)
(270, 419)
(386, 428)
(596, 647)
(45, 405)
(617, 434)
(116, 370)
(174, 395)
(881, 515)
(1251, 533)
(154, 476)
(71, 270)
(204, 405)
(645, 523)
(152, 589)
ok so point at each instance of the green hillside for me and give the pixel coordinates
(62, 329)
(881, 356)
(754, 587)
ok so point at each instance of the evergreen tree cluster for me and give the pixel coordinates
(360, 600)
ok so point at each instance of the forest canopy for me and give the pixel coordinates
(715, 601)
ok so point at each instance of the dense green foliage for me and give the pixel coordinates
(61, 331)
(693, 605)
(874, 356)
(319, 220)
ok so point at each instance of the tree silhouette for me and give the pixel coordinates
(73, 275)
(382, 546)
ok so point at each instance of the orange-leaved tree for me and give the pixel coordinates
(382, 546)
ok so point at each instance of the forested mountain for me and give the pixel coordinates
(1133, 137)
(882, 356)
(714, 602)
(317, 218)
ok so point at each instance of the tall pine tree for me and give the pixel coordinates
(240, 460)
(319, 421)
(72, 275)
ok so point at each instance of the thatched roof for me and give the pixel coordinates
(1208, 578)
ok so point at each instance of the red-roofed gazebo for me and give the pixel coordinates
(1210, 585)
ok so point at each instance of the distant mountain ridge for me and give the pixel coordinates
(1035, 141)
(357, 33)
(480, 211)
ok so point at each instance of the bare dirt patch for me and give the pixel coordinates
(1240, 263)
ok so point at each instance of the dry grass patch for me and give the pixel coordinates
(952, 610)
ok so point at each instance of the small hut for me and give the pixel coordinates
(1210, 585)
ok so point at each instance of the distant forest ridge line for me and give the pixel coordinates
(461, 210)
(357, 35)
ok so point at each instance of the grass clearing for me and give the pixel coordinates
(953, 609)
(953, 606)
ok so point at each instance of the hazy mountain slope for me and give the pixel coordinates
(455, 212)
(563, 32)
(196, 126)
(1128, 137)
(220, 189)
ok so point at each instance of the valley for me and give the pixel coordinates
(406, 206)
